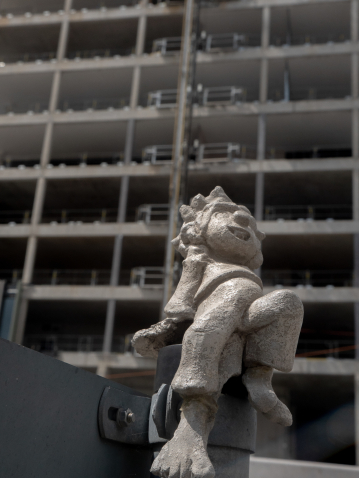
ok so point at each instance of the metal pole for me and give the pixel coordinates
(178, 148)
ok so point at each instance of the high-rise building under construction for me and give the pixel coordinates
(88, 94)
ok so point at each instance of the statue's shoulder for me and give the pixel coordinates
(217, 272)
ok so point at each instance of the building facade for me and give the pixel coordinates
(87, 114)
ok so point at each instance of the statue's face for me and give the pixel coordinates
(231, 237)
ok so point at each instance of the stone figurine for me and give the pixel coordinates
(226, 324)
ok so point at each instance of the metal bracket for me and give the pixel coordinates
(123, 417)
(234, 427)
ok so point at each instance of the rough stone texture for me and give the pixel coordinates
(226, 321)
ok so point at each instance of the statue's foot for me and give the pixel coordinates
(258, 381)
(185, 456)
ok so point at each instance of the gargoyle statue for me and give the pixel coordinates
(227, 322)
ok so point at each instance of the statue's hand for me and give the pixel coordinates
(147, 342)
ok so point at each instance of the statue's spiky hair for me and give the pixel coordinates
(197, 215)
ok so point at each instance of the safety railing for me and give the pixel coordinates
(94, 104)
(307, 278)
(30, 8)
(18, 107)
(71, 277)
(162, 98)
(10, 275)
(147, 277)
(167, 46)
(209, 43)
(19, 161)
(99, 53)
(315, 212)
(316, 152)
(149, 213)
(308, 93)
(104, 5)
(217, 152)
(309, 39)
(53, 344)
(15, 217)
(336, 348)
(88, 159)
(211, 96)
(201, 153)
(223, 41)
(37, 57)
(71, 216)
(157, 154)
(222, 95)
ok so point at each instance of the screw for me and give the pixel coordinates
(131, 418)
(125, 417)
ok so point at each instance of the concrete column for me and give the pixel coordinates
(141, 35)
(64, 32)
(30, 256)
(38, 201)
(354, 26)
(135, 88)
(263, 81)
(265, 27)
(21, 322)
(265, 36)
(54, 96)
(259, 186)
(136, 77)
(117, 251)
(32, 241)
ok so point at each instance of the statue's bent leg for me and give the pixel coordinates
(202, 347)
(279, 316)
(217, 318)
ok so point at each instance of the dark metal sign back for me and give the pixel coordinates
(49, 421)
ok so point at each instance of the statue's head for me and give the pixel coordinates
(228, 231)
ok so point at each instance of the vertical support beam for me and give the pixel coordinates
(141, 35)
(64, 32)
(263, 81)
(140, 46)
(354, 18)
(259, 186)
(117, 251)
(265, 38)
(135, 87)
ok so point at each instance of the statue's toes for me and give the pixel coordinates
(203, 470)
(280, 414)
(159, 468)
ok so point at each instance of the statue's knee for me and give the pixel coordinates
(289, 303)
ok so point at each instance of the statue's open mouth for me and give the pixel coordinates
(239, 232)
